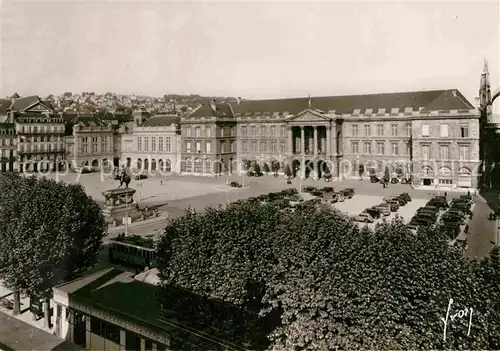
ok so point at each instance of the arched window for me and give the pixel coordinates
(208, 166)
(464, 172)
(445, 172)
(198, 165)
(168, 166)
(153, 164)
(189, 165)
(426, 171)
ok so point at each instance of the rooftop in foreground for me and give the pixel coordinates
(18, 335)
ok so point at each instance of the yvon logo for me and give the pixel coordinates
(460, 314)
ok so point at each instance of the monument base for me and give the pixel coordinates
(120, 203)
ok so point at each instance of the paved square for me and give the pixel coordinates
(155, 189)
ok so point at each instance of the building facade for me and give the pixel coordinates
(8, 147)
(91, 144)
(208, 137)
(431, 137)
(40, 134)
(153, 146)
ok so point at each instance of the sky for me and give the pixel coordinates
(253, 50)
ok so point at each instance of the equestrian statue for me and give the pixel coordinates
(124, 178)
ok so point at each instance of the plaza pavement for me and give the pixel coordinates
(174, 193)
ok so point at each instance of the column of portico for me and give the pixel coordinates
(328, 140)
(302, 152)
(290, 139)
(315, 150)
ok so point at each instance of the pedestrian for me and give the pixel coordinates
(445, 195)
(468, 193)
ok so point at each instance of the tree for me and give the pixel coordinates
(288, 171)
(387, 175)
(266, 168)
(333, 285)
(49, 232)
(256, 168)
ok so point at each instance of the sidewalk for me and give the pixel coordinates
(161, 217)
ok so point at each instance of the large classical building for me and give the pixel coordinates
(153, 144)
(433, 136)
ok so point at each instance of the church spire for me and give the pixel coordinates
(484, 88)
(485, 67)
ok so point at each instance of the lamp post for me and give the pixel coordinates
(126, 214)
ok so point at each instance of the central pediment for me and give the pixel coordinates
(309, 115)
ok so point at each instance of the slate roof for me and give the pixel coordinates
(161, 121)
(206, 111)
(24, 102)
(18, 335)
(433, 99)
(90, 122)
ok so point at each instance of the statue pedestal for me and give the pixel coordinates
(120, 203)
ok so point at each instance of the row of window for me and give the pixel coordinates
(380, 130)
(265, 146)
(83, 145)
(444, 152)
(37, 139)
(224, 131)
(444, 132)
(198, 165)
(380, 148)
(264, 131)
(196, 147)
(40, 129)
(42, 147)
(160, 144)
(8, 142)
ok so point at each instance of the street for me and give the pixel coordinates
(481, 230)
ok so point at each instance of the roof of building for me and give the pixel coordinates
(450, 99)
(15, 96)
(205, 110)
(112, 290)
(90, 122)
(161, 121)
(22, 103)
(18, 335)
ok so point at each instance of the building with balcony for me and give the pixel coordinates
(153, 145)
(40, 134)
(91, 144)
(336, 135)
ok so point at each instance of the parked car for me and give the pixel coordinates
(394, 180)
(428, 216)
(394, 205)
(364, 217)
(422, 221)
(384, 208)
(235, 185)
(374, 179)
(140, 177)
(375, 213)
(308, 189)
(316, 193)
(334, 198)
(407, 196)
(438, 202)
(83, 170)
(328, 189)
(349, 192)
(413, 225)
(449, 217)
(426, 210)
(405, 181)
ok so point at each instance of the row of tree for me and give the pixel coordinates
(49, 233)
(323, 283)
